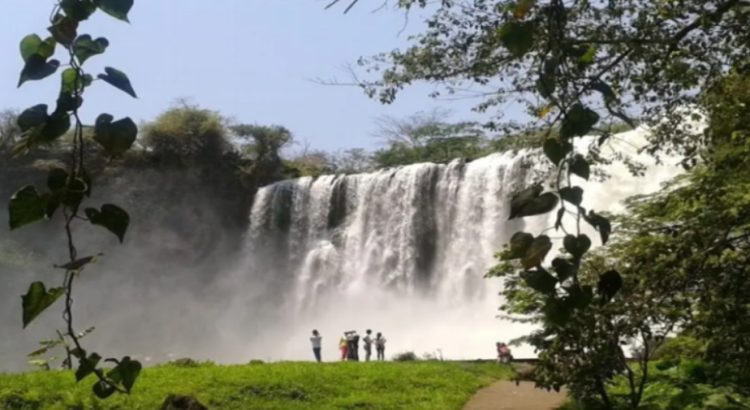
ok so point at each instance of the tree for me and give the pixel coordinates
(187, 135)
(10, 133)
(353, 161)
(263, 145)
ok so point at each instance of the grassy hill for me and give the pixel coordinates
(285, 385)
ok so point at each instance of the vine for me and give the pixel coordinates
(67, 188)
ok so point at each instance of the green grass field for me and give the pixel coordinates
(285, 385)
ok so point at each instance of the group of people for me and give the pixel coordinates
(349, 345)
(503, 353)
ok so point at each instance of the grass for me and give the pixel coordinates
(284, 385)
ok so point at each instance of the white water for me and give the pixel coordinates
(402, 251)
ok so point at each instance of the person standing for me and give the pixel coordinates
(343, 347)
(380, 346)
(316, 341)
(367, 340)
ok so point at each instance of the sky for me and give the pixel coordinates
(255, 61)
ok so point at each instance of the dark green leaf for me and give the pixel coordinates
(605, 90)
(38, 352)
(519, 244)
(57, 179)
(55, 126)
(79, 353)
(87, 366)
(32, 117)
(577, 246)
(118, 79)
(74, 192)
(78, 10)
(556, 311)
(528, 202)
(112, 217)
(559, 218)
(563, 268)
(103, 389)
(37, 68)
(601, 224)
(536, 252)
(78, 263)
(115, 137)
(580, 167)
(580, 296)
(540, 280)
(85, 47)
(609, 284)
(556, 150)
(578, 121)
(67, 102)
(116, 8)
(546, 83)
(37, 299)
(63, 29)
(517, 37)
(26, 206)
(126, 372)
(574, 195)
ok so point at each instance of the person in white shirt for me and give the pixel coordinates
(368, 344)
(316, 342)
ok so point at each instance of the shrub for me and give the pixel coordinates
(405, 357)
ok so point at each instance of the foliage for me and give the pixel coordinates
(263, 145)
(187, 135)
(288, 385)
(405, 357)
(67, 188)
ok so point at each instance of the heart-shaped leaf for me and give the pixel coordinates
(519, 244)
(529, 202)
(563, 268)
(574, 195)
(33, 44)
(112, 217)
(115, 137)
(57, 179)
(517, 37)
(87, 366)
(540, 280)
(578, 121)
(125, 373)
(85, 47)
(103, 389)
(78, 10)
(601, 224)
(37, 68)
(556, 150)
(118, 79)
(536, 252)
(118, 9)
(579, 166)
(26, 206)
(610, 283)
(64, 29)
(32, 117)
(577, 246)
(37, 299)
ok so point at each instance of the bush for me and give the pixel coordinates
(405, 357)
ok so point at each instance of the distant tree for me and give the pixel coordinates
(187, 135)
(310, 163)
(352, 161)
(262, 145)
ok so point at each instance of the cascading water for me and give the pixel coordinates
(403, 251)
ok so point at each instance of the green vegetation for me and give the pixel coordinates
(286, 385)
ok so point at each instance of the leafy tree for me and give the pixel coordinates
(263, 145)
(353, 161)
(187, 135)
(69, 187)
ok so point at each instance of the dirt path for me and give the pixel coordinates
(505, 395)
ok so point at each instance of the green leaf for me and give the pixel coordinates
(29, 46)
(112, 217)
(577, 246)
(574, 195)
(517, 37)
(578, 121)
(57, 179)
(519, 244)
(87, 366)
(118, 79)
(78, 263)
(78, 10)
(588, 57)
(32, 117)
(580, 296)
(115, 137)
(557, 312)
(610, 283)
(546, 83)
(69, 77)
(559, 218)
(601, 224)
(563, 268)
(64, 29)
(103, 389)
(116, 8)
(556, 150)
(37, 299)
(37, 68)
(579, 166)
(85, 47)
(536, 252)
(522, 8)
(126, 372)
(67, 102)
(540, 280)
(528, 202)
(26, 206)
(55, 126)
(605, 90)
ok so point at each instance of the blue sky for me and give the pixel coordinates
(252, 60)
